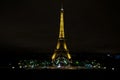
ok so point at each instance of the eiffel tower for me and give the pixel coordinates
(61, 56)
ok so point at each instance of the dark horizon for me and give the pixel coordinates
(5, 49)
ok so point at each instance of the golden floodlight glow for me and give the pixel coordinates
(61, 33)
(69, 57)
(65, 46)
(58, 45)
(61, 52)
(53, 56)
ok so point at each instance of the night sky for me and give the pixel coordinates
(90, 25)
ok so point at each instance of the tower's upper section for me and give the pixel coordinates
(61, 32)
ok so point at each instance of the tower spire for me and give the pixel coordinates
(62, 6)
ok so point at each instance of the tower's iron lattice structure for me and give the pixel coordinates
(61, 56)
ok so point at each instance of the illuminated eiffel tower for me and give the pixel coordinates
(61, 56)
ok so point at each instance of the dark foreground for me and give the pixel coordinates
(46, 74)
